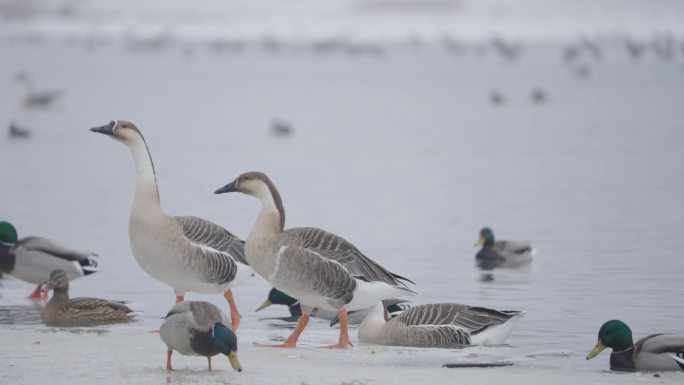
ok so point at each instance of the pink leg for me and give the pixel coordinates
(234, 313)
(180, 298)
(209, 361)
(168, 360)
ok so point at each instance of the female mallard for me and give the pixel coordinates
(61, 311)
(320, 269)
(501, 253)
(32, 259)
(198, 328)
(654, 352)
(441, 325)
(186, 253)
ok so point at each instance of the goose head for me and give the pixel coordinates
(486, 237)
(8, 234)
(253, 183)
(120, 130)
(58, 281)
(225, 341)
(613, 334)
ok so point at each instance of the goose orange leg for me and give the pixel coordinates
(291, 341)
(180, 298)
(234, 313)
(37, 294)
(344, 332)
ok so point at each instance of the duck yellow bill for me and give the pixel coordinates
(232, 357)
(264, 305)
(596, 350)
(480, 241)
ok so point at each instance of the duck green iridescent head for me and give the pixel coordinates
(225, 341)
(8, 234)
(613, 334)
(486, 237)
(277, 297)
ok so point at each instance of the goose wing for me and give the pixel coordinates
(338, 249)
(209, 234)
(55, 249)
(470, 318)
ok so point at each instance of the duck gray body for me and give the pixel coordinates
(501, 253)
(651, 353)
(62, 311)
(187, 328)
(441, 325)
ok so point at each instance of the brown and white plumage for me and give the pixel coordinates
(439, 325)
(187, 253)
(320, 269)
(62, 311)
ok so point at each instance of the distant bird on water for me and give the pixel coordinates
(187, 253)
(501, 253)
(33, 98)
(281, 128)
(538, 95)
(62, 311)
(16, 132)
(496, 98)
(197, 328)
(651, 353)
(32, 259)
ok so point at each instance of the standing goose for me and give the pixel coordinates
(441, 325)
(186, 253)
(61, 311)
(198, 328)
(32, 259)
(651, 353)
(501, 253)
(319, 268)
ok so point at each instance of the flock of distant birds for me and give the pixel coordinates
(312, 271)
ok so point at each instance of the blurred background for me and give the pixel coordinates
(403, 125)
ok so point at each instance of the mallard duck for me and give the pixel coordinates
(320, 269)
(277, 297)
(440, 325)
(654, 352)
(501, 253)
(32, 259)
(186, 253)
(198, 328)
(61, 311)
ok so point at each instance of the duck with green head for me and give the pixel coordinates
(651, 353)
(501, 253)
(198, 328)
(32, 259)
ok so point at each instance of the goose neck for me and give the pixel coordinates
(146, 192)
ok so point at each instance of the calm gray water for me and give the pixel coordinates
(402, 154)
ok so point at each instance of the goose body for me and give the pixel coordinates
(320, 269)
(187, 253)
(32, 259)
(190, 328)
(502, 253)
(652, 353)
(441, 325)
(62, 311)
(35, 99)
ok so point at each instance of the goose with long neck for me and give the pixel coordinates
(320, 269)
(442, 325)
(187, 253)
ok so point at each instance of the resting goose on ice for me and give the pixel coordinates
(441, 325)
(651, 353)
(32, 259)
(198, 328)
(186, 253)
(501, 253)
(319, 268)
(62, 311)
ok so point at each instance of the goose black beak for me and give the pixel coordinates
(107, 129)
(230, 187)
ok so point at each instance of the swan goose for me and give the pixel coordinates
(32, 259)
(187, 253)
(441, 325)
(320, 269)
